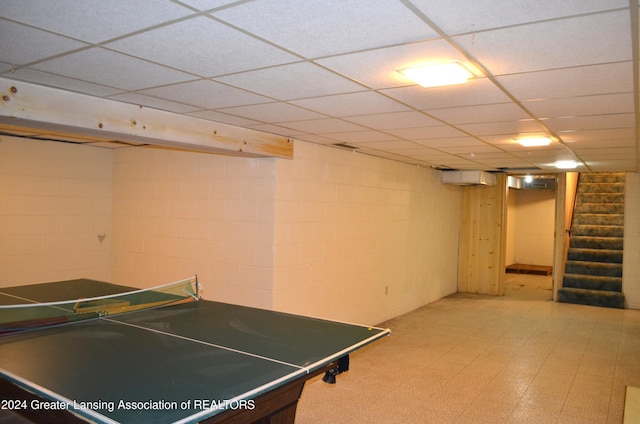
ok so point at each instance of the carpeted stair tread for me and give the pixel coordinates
(596, 242)
(600, 198)
(594, 268)
(591, 297)
(601, 187)
(609, 219)
(595, 255)
(597, 230)
(602, 177)
(607, 208)
(592, 282)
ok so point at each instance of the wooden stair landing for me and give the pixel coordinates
(530, 269)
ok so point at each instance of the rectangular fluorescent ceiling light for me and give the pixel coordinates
(534, 141)
(566, 164)
(437, 75)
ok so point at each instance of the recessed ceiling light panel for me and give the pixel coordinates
(566, 164)
(534, 141)
(437, 74)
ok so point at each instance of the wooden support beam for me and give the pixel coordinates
(43, 111)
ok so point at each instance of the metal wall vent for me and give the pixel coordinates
(345, 146)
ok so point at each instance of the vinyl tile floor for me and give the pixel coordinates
(518, 358)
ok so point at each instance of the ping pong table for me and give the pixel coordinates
(197, 361)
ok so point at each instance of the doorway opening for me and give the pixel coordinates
(530, 237)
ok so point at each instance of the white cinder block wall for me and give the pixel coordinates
(360, 238)
(55, 200)
(329, 234)
(177, 214)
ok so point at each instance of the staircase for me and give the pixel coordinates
(593, 273)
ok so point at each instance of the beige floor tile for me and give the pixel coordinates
(520, 358)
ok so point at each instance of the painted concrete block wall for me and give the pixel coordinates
(177, 214)
(534, 227)
(55, 200)
(328, 234)
(631, 259)
(362, 239)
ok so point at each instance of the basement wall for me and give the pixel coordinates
(360, 238)
(55, 202)
(534, 216)
(330, 233)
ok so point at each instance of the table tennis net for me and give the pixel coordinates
(27, 316)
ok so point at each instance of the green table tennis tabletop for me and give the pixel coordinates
(202, 361)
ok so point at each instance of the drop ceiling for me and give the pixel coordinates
(325, 71)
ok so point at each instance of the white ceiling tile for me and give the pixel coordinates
(460, 163)
(353, 104)
(293, 81)
(93, 20)
(206, 94)
(378, 68)
(207, 4)
(612, 165)
(476, 114)
(621, 120)
(224, 118)
(610, 137)
(154, 102)
(187, 45)
(5, 67)
(327, 27)
(470, 151)
(273, 112)
(607, 153)
(570, 42)
(388, 155)
(499, 164)
(361, 137)
(33, 44)
(433, 154)
(389, 145)
(412, 119)
(582, 106)
(44, 78)
(492, 155)
(276, 129)
(313, 138)
(506, 127)
(112, 69)
(550, 163)
(416, 152)
(322, 126)
(459, 16)
(542, 153)
(570, 82)
(514, 164)
(422, 133)
(451, 142)
(475, 92)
